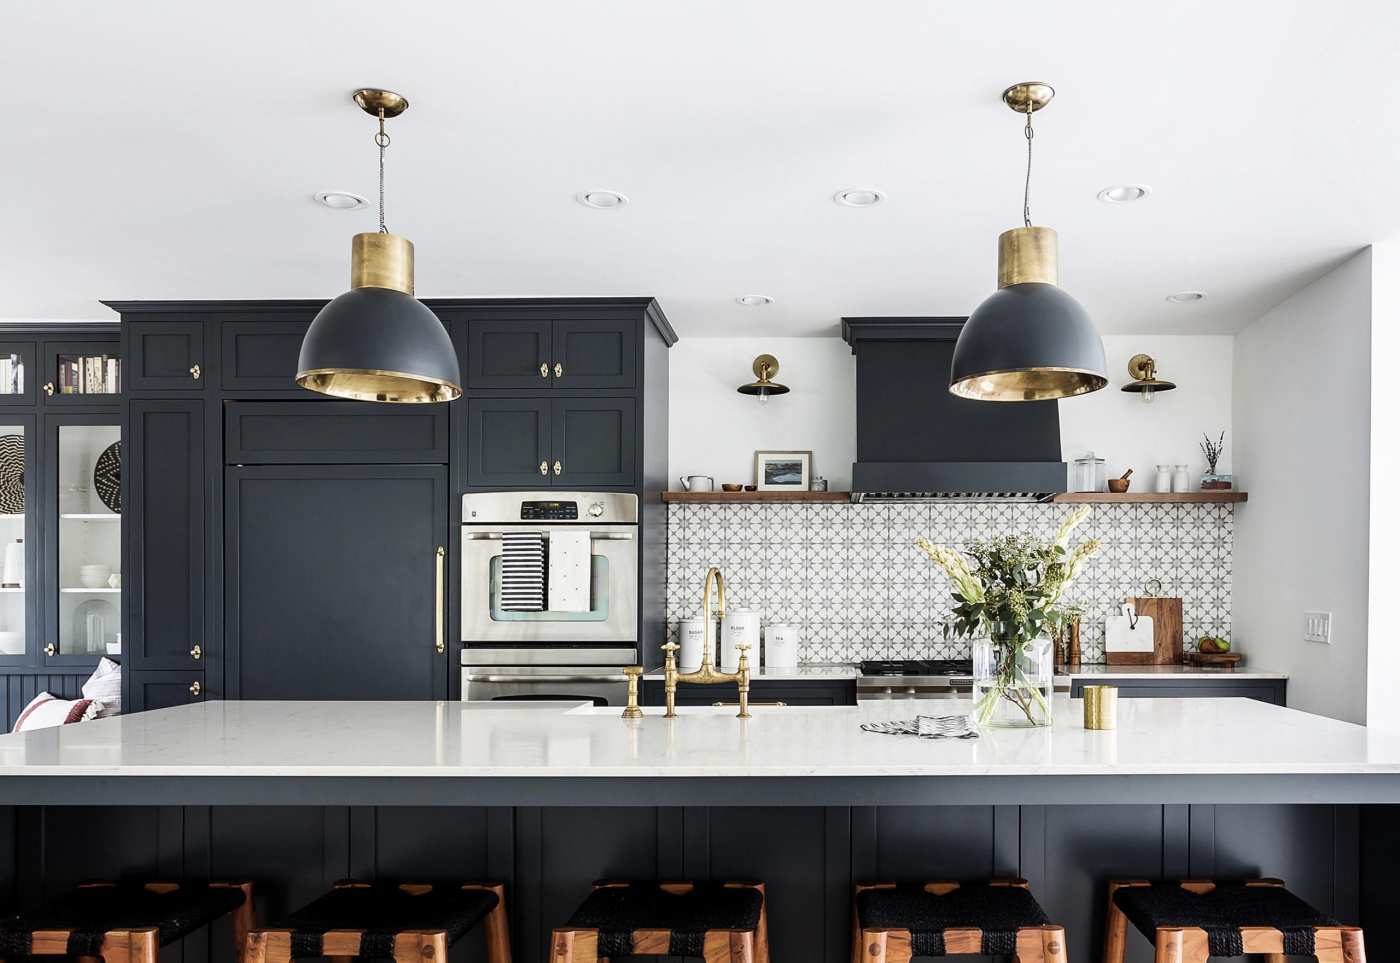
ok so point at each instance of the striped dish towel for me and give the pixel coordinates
(522, 571)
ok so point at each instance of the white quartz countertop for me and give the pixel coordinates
(563, 740)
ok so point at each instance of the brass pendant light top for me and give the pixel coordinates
(1030, 341)
(376, 342)
(765, 366)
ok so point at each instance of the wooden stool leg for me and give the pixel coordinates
(1041, 944)
(1340, 945)
(1169, 947)
(1115, 941)
(857, 939)
(269, 946)
(574, 946)
(497, 926)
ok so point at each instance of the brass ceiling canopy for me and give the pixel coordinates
(765, 366)
(1030, 341)
(1143, 370)
(376, 342)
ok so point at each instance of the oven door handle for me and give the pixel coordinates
(595, 536)
(556, 679)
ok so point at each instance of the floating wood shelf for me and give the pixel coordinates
(1179, 498)
(720, 498)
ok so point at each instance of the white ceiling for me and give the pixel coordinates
(170, 150)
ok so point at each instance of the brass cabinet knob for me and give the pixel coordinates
(558, 369)
(48, 388)
(558, 468)
(195, 689)
(544, 468)
(196, 652)
(51, 649)
(195, 371)
(544, 369)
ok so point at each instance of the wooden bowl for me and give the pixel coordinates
(732, 488)
(1119, 485)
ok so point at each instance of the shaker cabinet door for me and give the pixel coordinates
(332, 581)
(166, 568)
(508, 354)
(508, 443)
(594, 354)
(166, 356)
(595, 442)
(164, 690)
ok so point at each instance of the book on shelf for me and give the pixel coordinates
(89, 375)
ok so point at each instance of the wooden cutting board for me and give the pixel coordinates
(1166, 633)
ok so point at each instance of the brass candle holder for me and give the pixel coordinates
(1100, 707)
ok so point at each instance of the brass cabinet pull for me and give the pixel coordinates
(558, 369)
(558, 468)
(51, 649)
(195, 371)
(439, 642)
(196, 652)
(544, 369)
(48, 388)
(544, 468)
(753, 702)
(195, 689)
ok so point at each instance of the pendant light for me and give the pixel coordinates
(1030, 341)
(376, 342)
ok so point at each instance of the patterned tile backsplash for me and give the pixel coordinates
(852, 578)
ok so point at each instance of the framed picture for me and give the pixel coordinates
(782, 471)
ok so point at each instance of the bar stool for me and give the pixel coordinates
(896, 922)
(1189, 921)
(125, 922)
(409, 922)
(719, 922)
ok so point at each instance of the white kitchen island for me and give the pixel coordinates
(549, 797)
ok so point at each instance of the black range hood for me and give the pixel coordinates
(917, 441)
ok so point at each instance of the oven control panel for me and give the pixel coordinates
(557, 511)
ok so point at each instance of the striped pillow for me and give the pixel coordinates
(46, 710)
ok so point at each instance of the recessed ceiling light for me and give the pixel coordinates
(1124, 193)
(858, 197)
(750, 300)
(340, 200)
(603, 200)
(1186, 297)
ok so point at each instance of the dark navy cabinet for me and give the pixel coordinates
(290, 539)
(794, 692)
(165, 357)
(166, 521)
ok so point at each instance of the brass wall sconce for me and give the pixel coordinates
(765, 366)
(1145, 381)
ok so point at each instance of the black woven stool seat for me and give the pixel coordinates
(616, 912)
(997, 910)
(89, 912)
(383, 910)
(1221, 912)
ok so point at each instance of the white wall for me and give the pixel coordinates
(1119, 428)
(1383, 650)
(715, 430)
(1302, 406)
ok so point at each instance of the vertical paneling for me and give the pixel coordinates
(17, 691)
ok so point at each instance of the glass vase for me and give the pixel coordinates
(1012, 682)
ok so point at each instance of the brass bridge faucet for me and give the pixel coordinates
(706, 674)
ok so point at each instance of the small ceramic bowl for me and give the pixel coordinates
(750, 488)
(732, 488)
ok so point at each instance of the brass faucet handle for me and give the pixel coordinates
(633, 673)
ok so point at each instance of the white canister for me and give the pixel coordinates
(780, 641)
(13, 576)
(1164, 479)
(1181, 479)
(740, 626)
(690, 636)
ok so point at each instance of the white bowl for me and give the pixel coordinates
(94, 576)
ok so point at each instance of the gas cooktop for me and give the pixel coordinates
(916, 667)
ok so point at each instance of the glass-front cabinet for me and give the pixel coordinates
(85, 543)
(60, 497)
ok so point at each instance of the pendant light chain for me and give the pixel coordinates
(382, 140)
(1030, 139)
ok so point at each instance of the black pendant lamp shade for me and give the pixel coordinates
(1030, 341)
(376, 342)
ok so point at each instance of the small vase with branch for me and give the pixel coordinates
(1213, 480)
(1008, 592)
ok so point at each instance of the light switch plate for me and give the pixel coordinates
(1317, 627)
